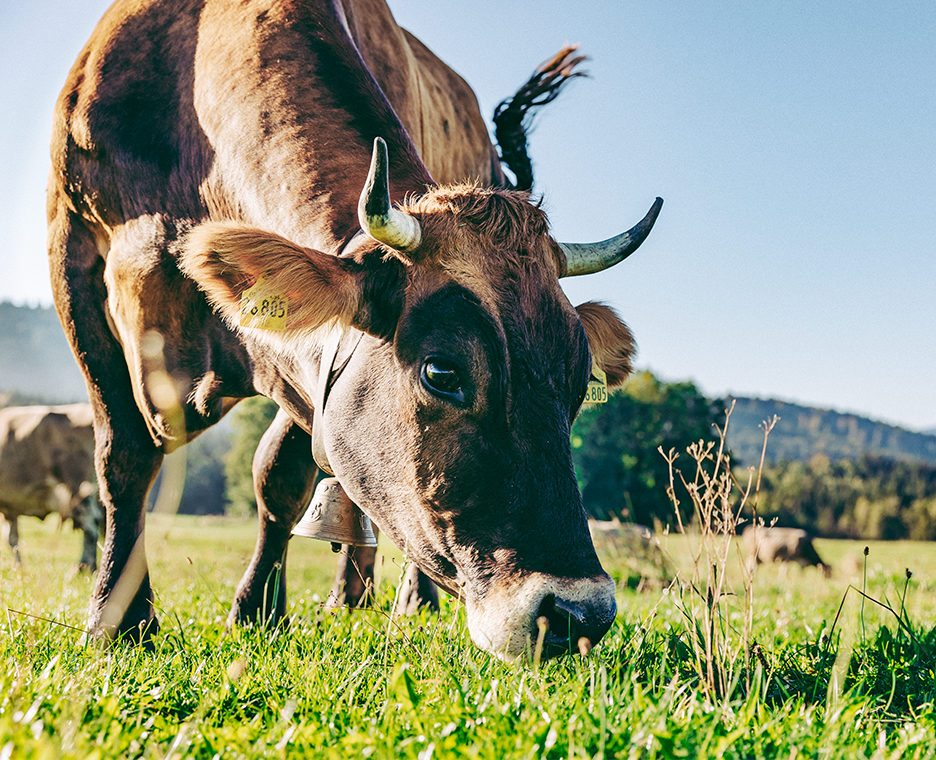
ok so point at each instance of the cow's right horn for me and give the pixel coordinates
(588, 258)
(376, 214)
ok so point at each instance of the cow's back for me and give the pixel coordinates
(124, 136)
(131, 138)
(436, 106)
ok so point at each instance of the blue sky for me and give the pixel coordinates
(793, 144)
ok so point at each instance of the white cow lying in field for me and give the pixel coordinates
(46, 467)
(771, 544)
(614, 526)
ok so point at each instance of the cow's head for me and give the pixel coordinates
(449, 425)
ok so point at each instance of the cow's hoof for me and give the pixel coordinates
(239, 617)
(142, 634)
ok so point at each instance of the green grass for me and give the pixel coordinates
(363, 685)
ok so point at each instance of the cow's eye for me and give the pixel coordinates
(443, 378)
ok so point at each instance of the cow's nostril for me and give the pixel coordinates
(568, 623)
(560, 621)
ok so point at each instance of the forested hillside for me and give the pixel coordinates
(870, 498)
(836, 475)
(35, 361)
(802, 432)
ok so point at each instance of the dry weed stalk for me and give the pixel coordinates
(721, 652)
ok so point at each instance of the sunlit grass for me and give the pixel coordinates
(363, 685)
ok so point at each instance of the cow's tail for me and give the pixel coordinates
(513, 117)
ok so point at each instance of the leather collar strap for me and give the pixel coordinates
(336, 353)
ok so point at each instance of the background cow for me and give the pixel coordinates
(772, 544)
(47, 467)
(614, 528)
(251, 198)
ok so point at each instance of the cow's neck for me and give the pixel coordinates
(293, 157)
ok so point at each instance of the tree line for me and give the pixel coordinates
(616, 448)
(871, 498)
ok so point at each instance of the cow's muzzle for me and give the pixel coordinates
(544, 614)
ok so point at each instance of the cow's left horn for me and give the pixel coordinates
(377, 216)
(588, 258)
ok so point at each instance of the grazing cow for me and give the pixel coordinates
(210, 240)
(47, 467)
(771, 544)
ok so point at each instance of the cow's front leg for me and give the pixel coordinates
(284, 477)
(90, 524)
(127, 456)
(127, 464)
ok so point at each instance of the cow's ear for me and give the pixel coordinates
(609, 339)
(259, 279)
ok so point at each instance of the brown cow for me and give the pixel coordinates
(47, 467)
(772, 544)
(206, 244)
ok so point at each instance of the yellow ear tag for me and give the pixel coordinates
(597, 392)
(262, 308)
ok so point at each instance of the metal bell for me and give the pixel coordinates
(332, 516)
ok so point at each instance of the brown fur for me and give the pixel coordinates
(503, 222)
(228, 259)
(610, 341)
(480, 236)
(200, 145)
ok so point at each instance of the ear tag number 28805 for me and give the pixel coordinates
(597, 392)
(262, 308)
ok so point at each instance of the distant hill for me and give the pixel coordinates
(803, 432)
(36, 363)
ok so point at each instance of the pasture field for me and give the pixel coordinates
(367, 684)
